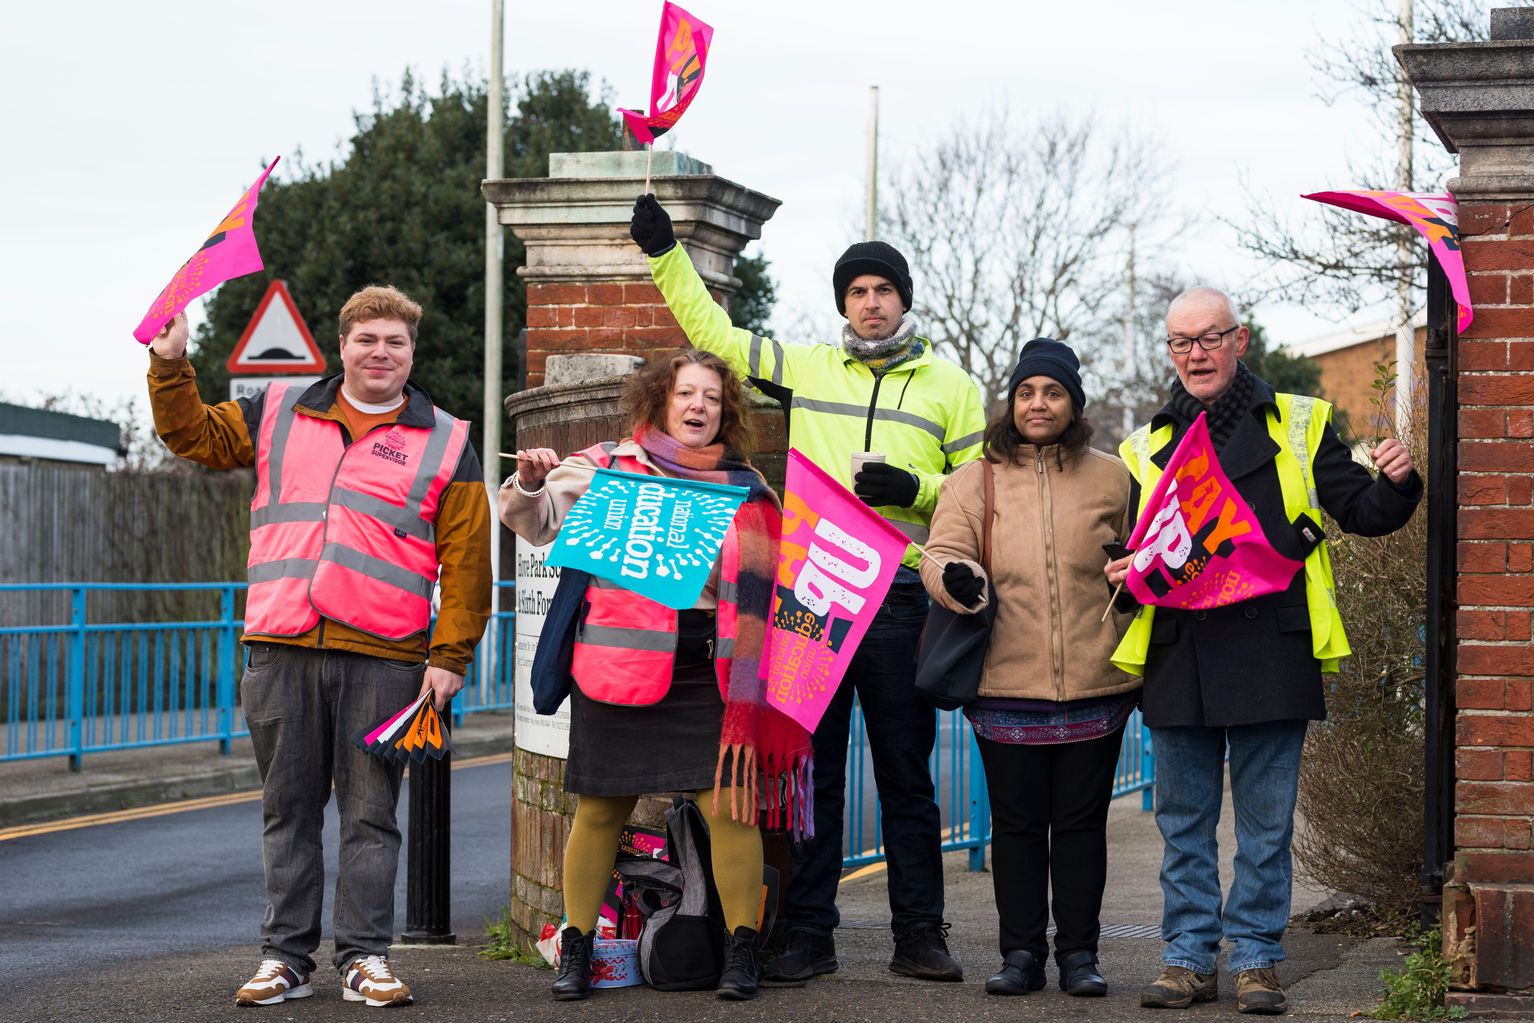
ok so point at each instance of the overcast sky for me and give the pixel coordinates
(130, 128)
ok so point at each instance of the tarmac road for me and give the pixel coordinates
(191, 881)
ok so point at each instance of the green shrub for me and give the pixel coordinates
(1417, 989)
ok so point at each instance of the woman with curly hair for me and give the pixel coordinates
(1051, 708)
(669, 701)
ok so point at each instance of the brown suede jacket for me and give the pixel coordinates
(220, 437)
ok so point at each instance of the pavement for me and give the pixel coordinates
(1327, 976)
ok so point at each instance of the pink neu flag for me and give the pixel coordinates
(681, 54)
(229, 252)
(1436, 218)
(834, 567)
(1198, 544)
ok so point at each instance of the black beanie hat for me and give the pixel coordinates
(878, 258)
(1044, 356)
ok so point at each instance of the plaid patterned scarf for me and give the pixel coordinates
(884, 354)
(764, 756)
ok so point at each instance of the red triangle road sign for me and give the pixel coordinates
(276, 339)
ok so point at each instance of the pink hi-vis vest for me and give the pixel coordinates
(345, 531)
(625, 648)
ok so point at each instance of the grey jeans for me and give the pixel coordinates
(302, 707)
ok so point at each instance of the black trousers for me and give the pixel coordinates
(1049, 827)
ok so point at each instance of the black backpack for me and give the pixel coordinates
(681, 945)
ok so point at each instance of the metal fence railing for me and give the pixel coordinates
(91, 682)
(959, 780)
(95, 679)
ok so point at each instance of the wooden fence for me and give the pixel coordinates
(69, 523)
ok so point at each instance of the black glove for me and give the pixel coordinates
(651, 226)
(962, 583)
(880, 484)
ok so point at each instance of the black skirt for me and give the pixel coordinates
(670, 746)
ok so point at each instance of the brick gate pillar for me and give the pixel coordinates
(1479, 98)
(589, 294)
(588, 285)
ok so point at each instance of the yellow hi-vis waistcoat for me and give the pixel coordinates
(1297, 430)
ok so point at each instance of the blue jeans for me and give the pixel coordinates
(1264, 781)
(902, 728)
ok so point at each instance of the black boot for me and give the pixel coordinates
(1079, 975)
(923, 952)
(574, 980)
(1020, 973)
(807, 955)
(742, 970)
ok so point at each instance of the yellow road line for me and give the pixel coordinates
(182, 806)
(873, 868)
(118, 816)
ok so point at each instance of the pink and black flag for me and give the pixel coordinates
(836, 561)
(1198, 544)
(230, 251)
(681, 54)
(1435, 216)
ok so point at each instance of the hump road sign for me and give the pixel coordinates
(276, 340)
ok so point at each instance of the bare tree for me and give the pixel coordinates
(1324, 256)
(1017, 230)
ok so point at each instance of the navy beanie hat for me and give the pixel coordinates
(1044, 356)
(878, 258)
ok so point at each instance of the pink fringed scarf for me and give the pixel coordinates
(764, 756)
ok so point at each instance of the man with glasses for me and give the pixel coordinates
(1246, 676)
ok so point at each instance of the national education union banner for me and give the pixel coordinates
(655, 535)
(228, 252)
(681, 55)
(835, 564)
(1434, 215)
(1198, 544)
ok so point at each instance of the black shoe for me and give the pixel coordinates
(574, 980)
(922, 952)
(742, 971)
(1078, 974)
(1020, 974)
(806, 956)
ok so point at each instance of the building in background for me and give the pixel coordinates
(1348, 359)
(34, 433)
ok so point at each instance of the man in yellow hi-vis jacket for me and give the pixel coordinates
(880, 390)
(1246, 676)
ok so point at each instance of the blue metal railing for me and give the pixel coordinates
(958, 779)
(79, 686)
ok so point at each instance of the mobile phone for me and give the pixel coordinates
(1116, 550)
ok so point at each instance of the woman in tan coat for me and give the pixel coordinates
(1051, 708)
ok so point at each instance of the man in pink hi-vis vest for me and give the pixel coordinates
(367, 495)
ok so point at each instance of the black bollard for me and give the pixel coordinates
(429, 851)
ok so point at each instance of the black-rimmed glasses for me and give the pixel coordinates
(1208, 342)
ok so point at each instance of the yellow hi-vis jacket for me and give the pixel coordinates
(1297, 430)
(923, 416)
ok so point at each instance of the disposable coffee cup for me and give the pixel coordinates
(861, 458)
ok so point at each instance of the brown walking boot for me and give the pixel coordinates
(1178, 988)
(1258, 991)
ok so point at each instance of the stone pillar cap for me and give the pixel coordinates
(1479, 99)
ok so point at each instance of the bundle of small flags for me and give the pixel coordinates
(414, 733)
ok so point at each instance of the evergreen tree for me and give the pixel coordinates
(402, 206)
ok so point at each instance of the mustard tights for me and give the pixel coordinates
(593, 847)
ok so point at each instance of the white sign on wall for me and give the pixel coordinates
(249, 387)
(536, 581)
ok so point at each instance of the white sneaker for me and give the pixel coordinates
(370, 980)
(274, 982)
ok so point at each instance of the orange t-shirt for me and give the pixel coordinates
(359, 422)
